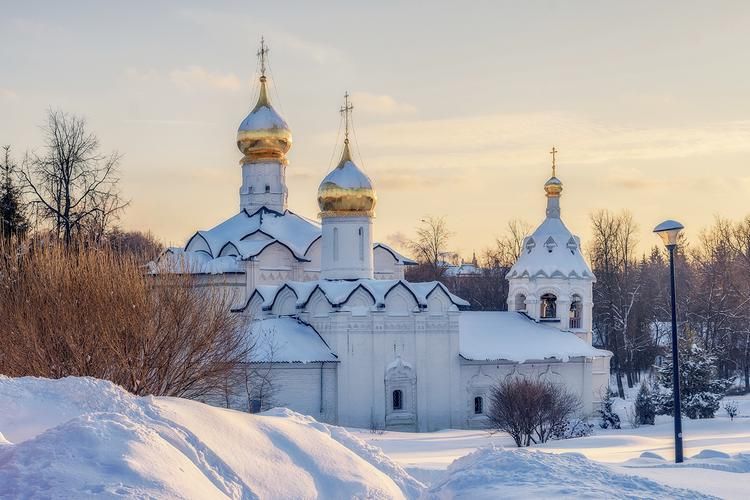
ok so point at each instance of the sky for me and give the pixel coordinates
(457, 105)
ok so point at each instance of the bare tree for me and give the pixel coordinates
(72, 182)
(430, 246)
(530, 410)
(259, 376)
(86, 311)
(509, 246)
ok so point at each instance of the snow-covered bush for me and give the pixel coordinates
(607, 416)
(731, 408)
(701, 389)
(645, 409)
(573, 428)
(530, 410)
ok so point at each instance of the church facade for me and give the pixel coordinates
(343, 337)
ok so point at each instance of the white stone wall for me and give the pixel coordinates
(297, 386)
(255, 178)
(368, 342)
(478, 377)
(347, 248)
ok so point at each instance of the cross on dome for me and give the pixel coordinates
(554, 164)
(262, 53)
(346, 111)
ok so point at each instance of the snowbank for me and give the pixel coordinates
(498, 473)
(83, 438)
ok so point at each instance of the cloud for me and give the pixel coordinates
(399, 240)
(520, 140)
(383, 105)
(188, 79)
(197, 77)
(410, 180)
(7, 95)
(320, 53)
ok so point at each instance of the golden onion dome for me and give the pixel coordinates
(263, 135)
(346, 190)
(553, 187)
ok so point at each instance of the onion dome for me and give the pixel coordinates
(553, 187)
(263, 135)
(346, 190)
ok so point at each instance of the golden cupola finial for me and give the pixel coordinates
(346, 191)
(263, 135)
(553, 187)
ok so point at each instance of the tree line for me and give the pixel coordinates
(631, 315)
(75, 297)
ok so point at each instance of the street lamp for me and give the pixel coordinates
(669, 230)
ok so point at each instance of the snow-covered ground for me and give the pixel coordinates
(85, 438)
(723, 471)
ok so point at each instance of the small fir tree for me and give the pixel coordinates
(607, 416)
(12, 210)
(701, 389)
(645, 409)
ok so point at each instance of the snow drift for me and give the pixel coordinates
(491, 473)
(82, 438)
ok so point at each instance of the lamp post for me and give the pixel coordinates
(669, 230)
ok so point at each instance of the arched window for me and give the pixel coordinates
(335, 243)
(548, 306)
(361, 244)
(576, 312)
(251, 189)
(268, 188)
(398, 400)
(478, 405)
(520, 302)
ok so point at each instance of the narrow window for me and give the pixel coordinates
(335, 243)
(268, 188)
(548, 306)
(398, 400)
(576, 312)
(361, 244)
(478, 405)
(520, 302)
(251, 189)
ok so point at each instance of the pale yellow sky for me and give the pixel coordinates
(455, 109)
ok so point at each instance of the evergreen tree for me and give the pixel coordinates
(645, 410)
(607, 416)
(701, 388)
(12, 210)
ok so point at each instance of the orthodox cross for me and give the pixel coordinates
(262, 53)
(554, 165)
(346, 111)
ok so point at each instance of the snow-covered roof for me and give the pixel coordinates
(513, 336)
(177, 260)
(287, 340)
(399, 258)
(465, 269)
(552, 251)
(337, 292)
(241, 237)
(292, 230)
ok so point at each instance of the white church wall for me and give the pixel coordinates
(297, 386)
(478, 377)
(347, 248)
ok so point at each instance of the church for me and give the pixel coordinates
(345, 338)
